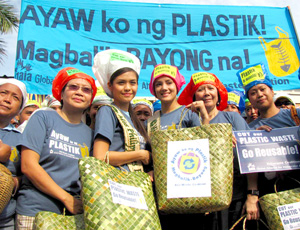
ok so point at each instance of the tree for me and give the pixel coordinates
(8, 22)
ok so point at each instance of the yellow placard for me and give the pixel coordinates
(202, 76)
(252, 74)
(165, 69)
(234, 98)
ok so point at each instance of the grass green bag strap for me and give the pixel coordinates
(153, 123)
(132, 142)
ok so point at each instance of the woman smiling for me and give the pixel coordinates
(51, 145)
(117, 71)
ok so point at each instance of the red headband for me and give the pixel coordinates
(67, 74)
(201, 78)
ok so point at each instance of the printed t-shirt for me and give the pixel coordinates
(10, 136)
(280, 120)
(60, 145)
(107, 125)
(171, 120)
(238, 123)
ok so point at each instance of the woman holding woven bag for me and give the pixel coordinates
(166, 82)
(13, 98)
(52, 143)
(117, 71)
(206, 88)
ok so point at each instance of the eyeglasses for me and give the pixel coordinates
(84, 89)
(280, 103)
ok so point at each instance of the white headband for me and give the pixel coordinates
(109, 61)
(20, 85)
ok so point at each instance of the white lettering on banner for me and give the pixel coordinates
(283, 150)
(268, 152)
(253, 140)
(283, 138)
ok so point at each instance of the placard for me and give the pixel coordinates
(127, 195)
(262, 151)
(188, 173)
(290, 216)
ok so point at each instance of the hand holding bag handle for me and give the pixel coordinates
(244, 219)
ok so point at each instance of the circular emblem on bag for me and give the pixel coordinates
(189, 164)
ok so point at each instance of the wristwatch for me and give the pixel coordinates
(253, 192)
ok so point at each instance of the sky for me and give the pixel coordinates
(7, 67)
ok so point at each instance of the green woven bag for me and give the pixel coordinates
(221, 167)
(53, 221)
(99, 210)
(270, 202)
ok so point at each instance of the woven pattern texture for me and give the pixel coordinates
(6, 186)
(99, 210)
(53, 221)
(270, 202)
(221, 166)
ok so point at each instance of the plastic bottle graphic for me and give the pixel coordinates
(281, 54)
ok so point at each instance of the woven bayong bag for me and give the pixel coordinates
(99, 210)
(221, 167)
(270, 202)
(6, 186)
(53, 221)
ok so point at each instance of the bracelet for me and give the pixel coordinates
(16, 181)
(253, 192)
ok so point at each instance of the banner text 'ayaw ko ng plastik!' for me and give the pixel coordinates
(195, 38)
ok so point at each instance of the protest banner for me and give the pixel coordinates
(262, 151)
(218, 39)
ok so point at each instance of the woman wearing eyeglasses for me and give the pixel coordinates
(51, 145)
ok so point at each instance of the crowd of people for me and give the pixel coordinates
(79, 119)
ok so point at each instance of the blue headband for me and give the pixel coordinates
(236, 97)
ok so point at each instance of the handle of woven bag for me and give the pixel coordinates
(182, 115)
(244, 219)
(106, 159)
(275, 184)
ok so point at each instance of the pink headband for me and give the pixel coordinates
(163, 70)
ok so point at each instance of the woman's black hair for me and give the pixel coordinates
(136, 122)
